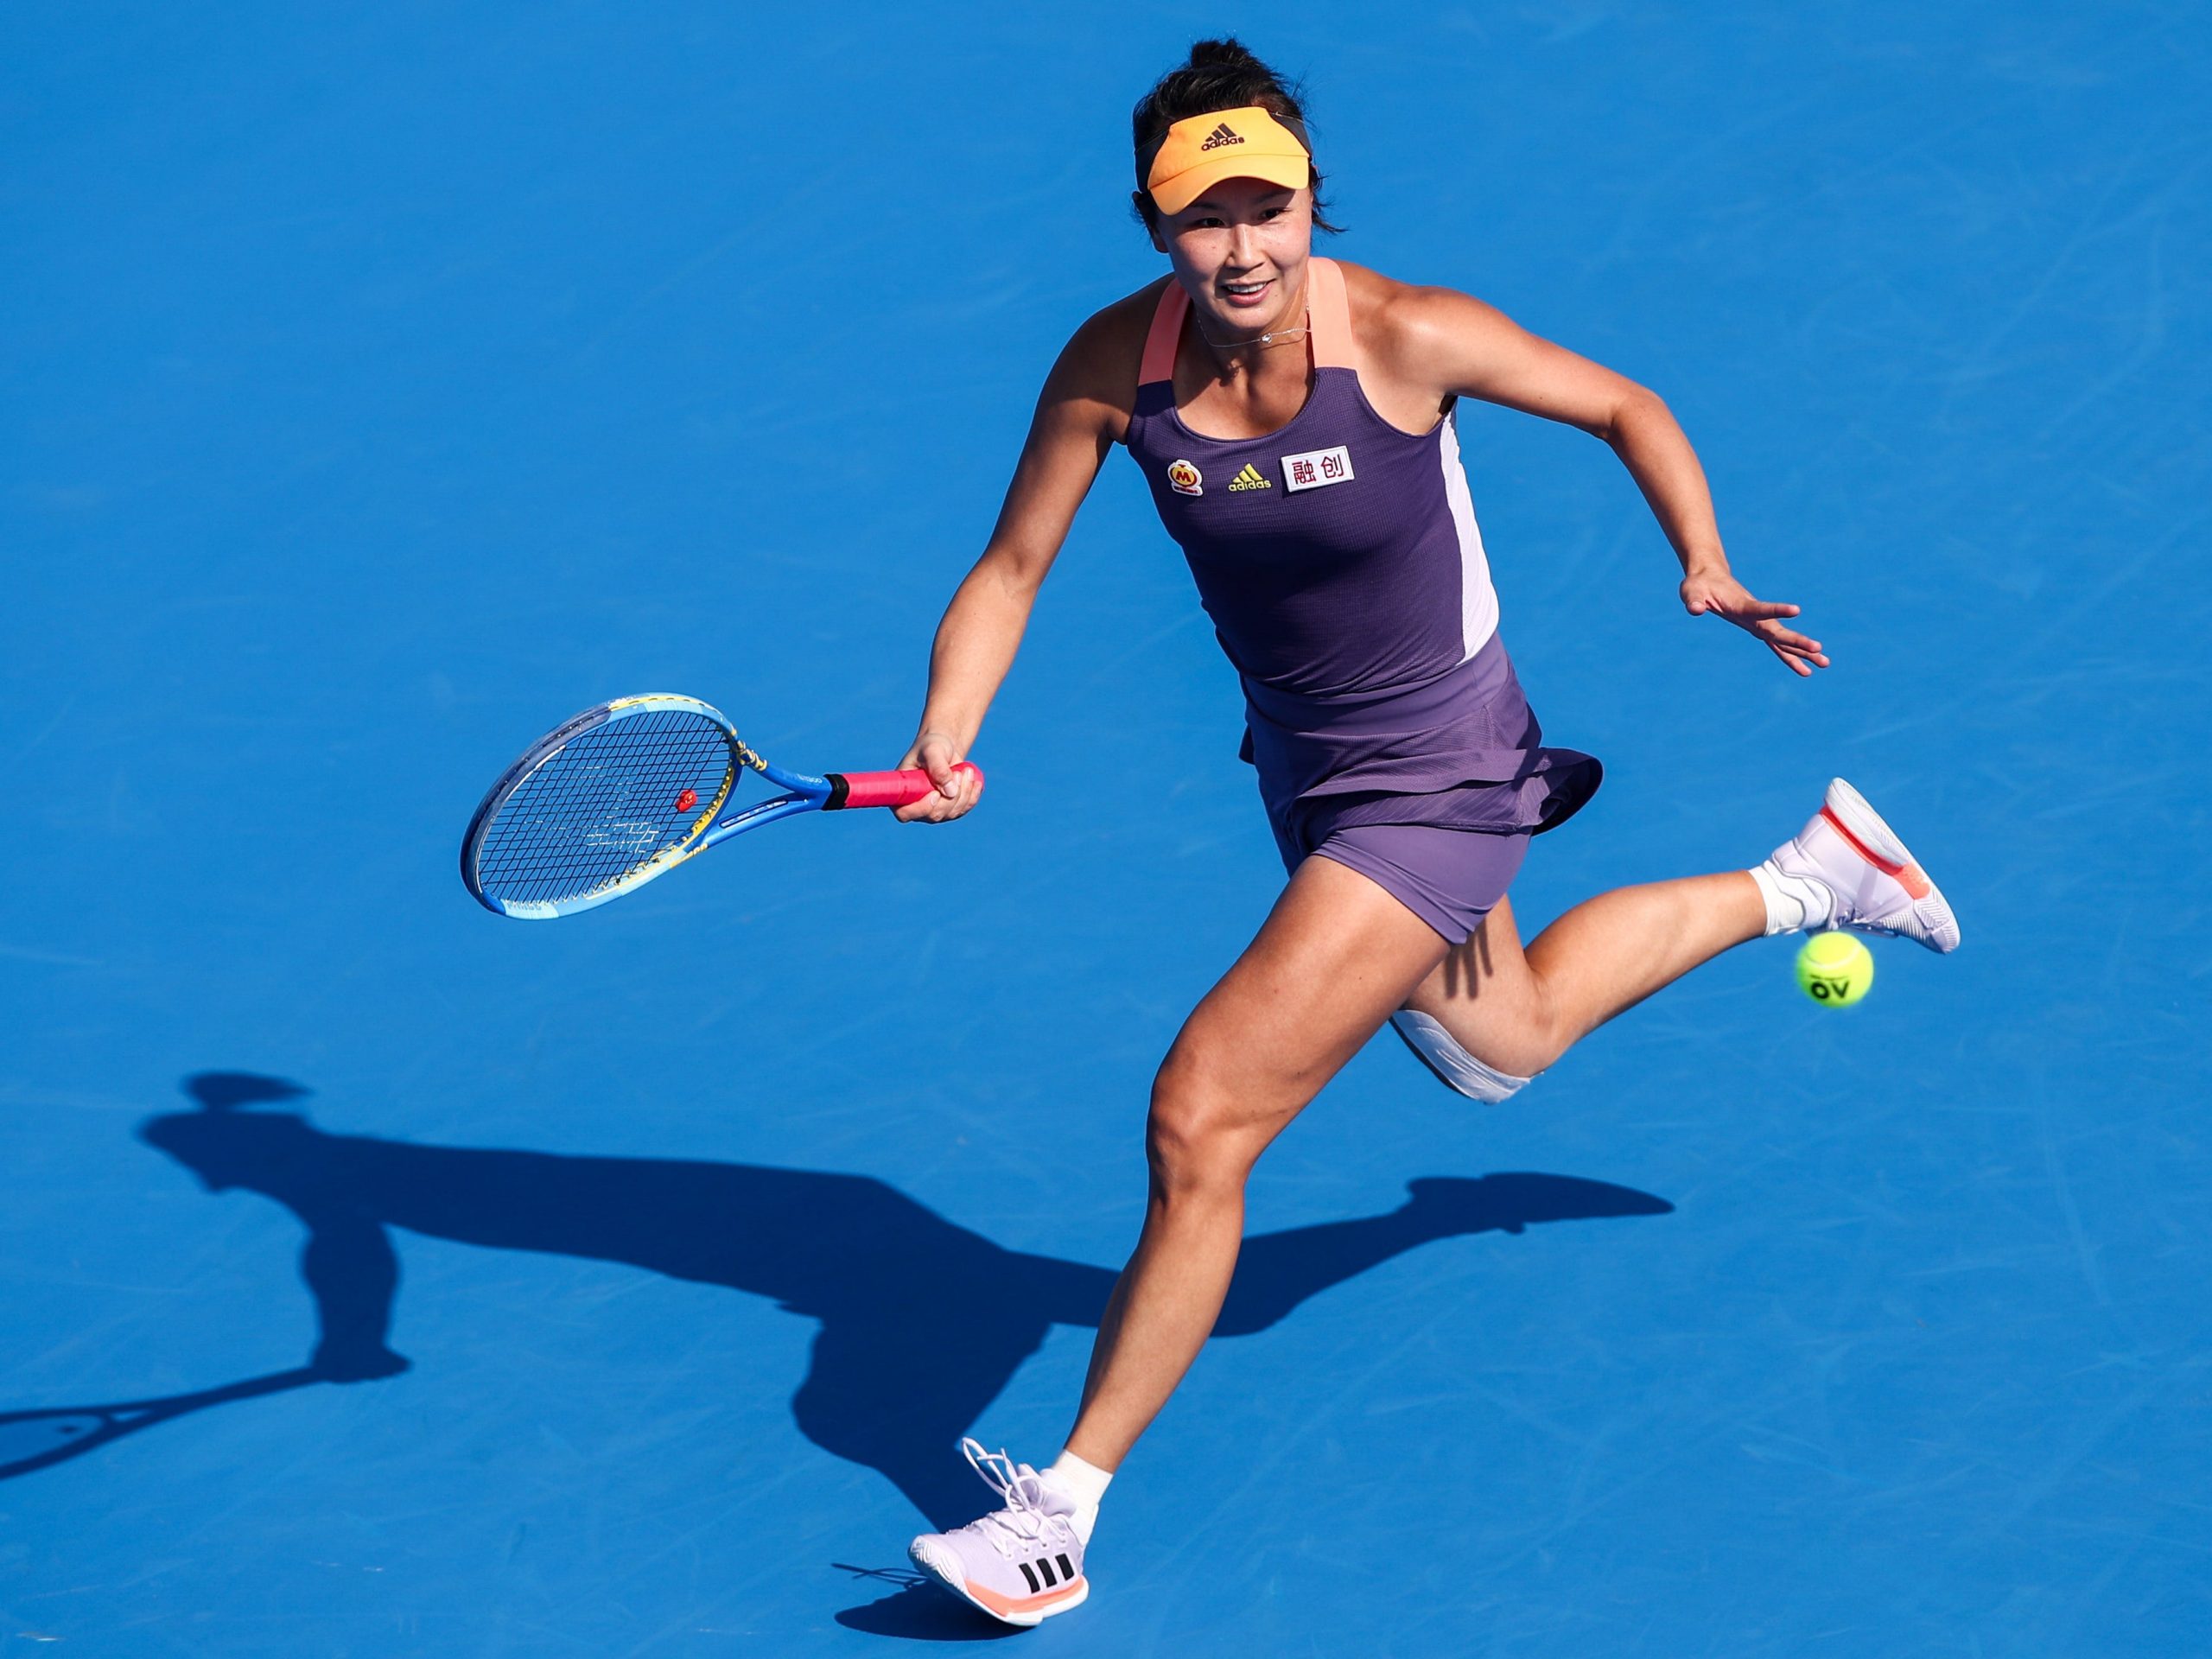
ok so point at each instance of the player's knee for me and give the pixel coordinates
(1196, 1135)
(1460, 1070)
(1534, 1050)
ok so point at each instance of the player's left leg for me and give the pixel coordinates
(1515, 1012)
(1491, 1017)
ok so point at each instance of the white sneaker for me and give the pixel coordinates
(1020, 1563)
(1871, 883)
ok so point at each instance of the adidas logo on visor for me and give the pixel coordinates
(1220, 135)
(1249, 478)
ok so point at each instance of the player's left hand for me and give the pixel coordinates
(1724, 596)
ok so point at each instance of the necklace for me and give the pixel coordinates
(1272, 337)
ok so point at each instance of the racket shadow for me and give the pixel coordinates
(921, 1322)
(31, 1440)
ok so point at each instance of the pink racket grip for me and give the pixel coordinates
(885, 788)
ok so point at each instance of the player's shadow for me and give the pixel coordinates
(921, 1322)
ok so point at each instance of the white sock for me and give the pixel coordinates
(1086, 1484)
(1793, 902)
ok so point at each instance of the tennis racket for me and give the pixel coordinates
(624, 792)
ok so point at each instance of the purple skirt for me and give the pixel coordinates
(1461, 754)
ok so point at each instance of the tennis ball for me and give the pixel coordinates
(1835, 970)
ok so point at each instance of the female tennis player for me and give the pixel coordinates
(1294, 418)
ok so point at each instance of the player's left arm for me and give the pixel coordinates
(1468, 349)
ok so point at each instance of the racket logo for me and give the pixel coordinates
(1184, 479)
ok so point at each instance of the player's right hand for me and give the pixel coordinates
(956, 792)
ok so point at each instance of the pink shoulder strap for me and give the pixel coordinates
(1166, 334)
(1328, 315)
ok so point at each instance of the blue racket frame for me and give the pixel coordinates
(802, 793)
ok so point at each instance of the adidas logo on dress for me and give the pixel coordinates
(1249, 478)
(1220, 135)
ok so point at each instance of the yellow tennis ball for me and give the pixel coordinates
(1835, 970)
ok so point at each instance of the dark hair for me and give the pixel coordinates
(1218, 75)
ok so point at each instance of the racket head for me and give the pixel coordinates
(601, 804)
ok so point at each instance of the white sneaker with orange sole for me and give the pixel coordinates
(1021, 1563)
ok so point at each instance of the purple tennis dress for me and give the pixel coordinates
(1339, 560)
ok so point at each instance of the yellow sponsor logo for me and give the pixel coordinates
(1184, 479)
(1249, 478)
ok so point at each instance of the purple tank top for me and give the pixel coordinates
(1340, 563)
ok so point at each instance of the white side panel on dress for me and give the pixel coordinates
(1477, 598)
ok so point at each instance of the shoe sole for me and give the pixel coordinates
(1024, 1620)
(1882, 847)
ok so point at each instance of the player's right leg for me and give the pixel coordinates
(1335, 956)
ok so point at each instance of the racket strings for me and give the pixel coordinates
(603, 804)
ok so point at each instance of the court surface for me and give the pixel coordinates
(383, 383)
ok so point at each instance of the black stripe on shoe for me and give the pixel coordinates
(1035, 1588)
(1045, 1568)
(1066, 1572)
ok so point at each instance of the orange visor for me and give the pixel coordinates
(1199, 152)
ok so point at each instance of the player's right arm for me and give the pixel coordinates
(1082, 413)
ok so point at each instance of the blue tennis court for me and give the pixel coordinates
(386, 1278)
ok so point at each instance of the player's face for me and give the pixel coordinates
(1240, 252)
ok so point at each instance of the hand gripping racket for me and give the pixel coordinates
(604, 803)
